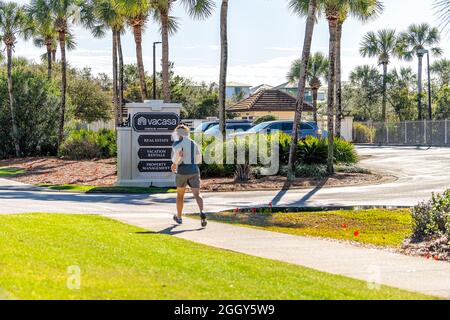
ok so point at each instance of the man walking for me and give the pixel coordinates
(186, 156)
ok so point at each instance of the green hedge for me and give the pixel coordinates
(363, 134)
(312, 154)
(85, 144)
(36, 104)
(315, 151)
(432, 218)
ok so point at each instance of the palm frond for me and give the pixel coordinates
(301, 7)
(173, 24)
(199, 9)
(442, 8)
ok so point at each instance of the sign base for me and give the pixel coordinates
(145, 183)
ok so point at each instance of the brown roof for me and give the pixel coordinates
(269, 100)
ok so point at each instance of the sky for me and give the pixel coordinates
(264, 38)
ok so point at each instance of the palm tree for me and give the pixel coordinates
(317, 71)
(43, 34)
(63, 15)
(367, 79)
(197, 9)
(336, 12)
(223, 65)
(443, 11)
(382, 45)
(109, 16)
(441, 69)
(308, 9)
(121, 73)
(363, 11)
(401, 88)
(39, 41)
(137, 13)
(13, 23)
(415, 41)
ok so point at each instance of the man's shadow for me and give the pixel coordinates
(170, 231)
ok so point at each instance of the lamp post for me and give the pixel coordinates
(154, 68)
(422, 52)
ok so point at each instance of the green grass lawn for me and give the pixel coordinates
(118, 261)
(112, 189)
(9, 172)
(380, 227)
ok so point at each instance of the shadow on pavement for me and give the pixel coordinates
(170, 231)
(276, 200)
(134, 199)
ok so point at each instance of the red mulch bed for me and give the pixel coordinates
(279, 182)
(431, 248)
(56, 171)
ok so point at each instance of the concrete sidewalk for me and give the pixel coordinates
(6, 184)
(371, 265)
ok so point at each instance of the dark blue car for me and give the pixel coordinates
(307, 129)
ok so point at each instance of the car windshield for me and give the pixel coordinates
(204, 126)
(259, 127)
(230, 127)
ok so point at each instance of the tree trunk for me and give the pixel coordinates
(314, 103)
(121, 75)
(384, 102)
(62, 44)
(54, 55)
(115, 91)
(419, 83)
(338, 81)
(137, 31)
(165, 55)
(49, 61)
(310, 23)
(332, 23)
(15, 129)
(223, 65)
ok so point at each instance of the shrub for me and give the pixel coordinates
(284, 147)
(243, 172)
(351, 169)
(315, 151)
(84, 144)
(215, 170)
(312, 151)
(318, 171)
(362, 133)
(344, 152)
(432, 218)
(107, 141)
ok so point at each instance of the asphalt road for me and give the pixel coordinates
(419, 172)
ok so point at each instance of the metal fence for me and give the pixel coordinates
(97, 126)
(410, 133)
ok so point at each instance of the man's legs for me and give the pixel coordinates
(180, 201)
(198, 198)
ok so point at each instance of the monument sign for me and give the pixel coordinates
(145, 147)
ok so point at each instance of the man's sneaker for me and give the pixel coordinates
(203, 218)
(177, 220)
